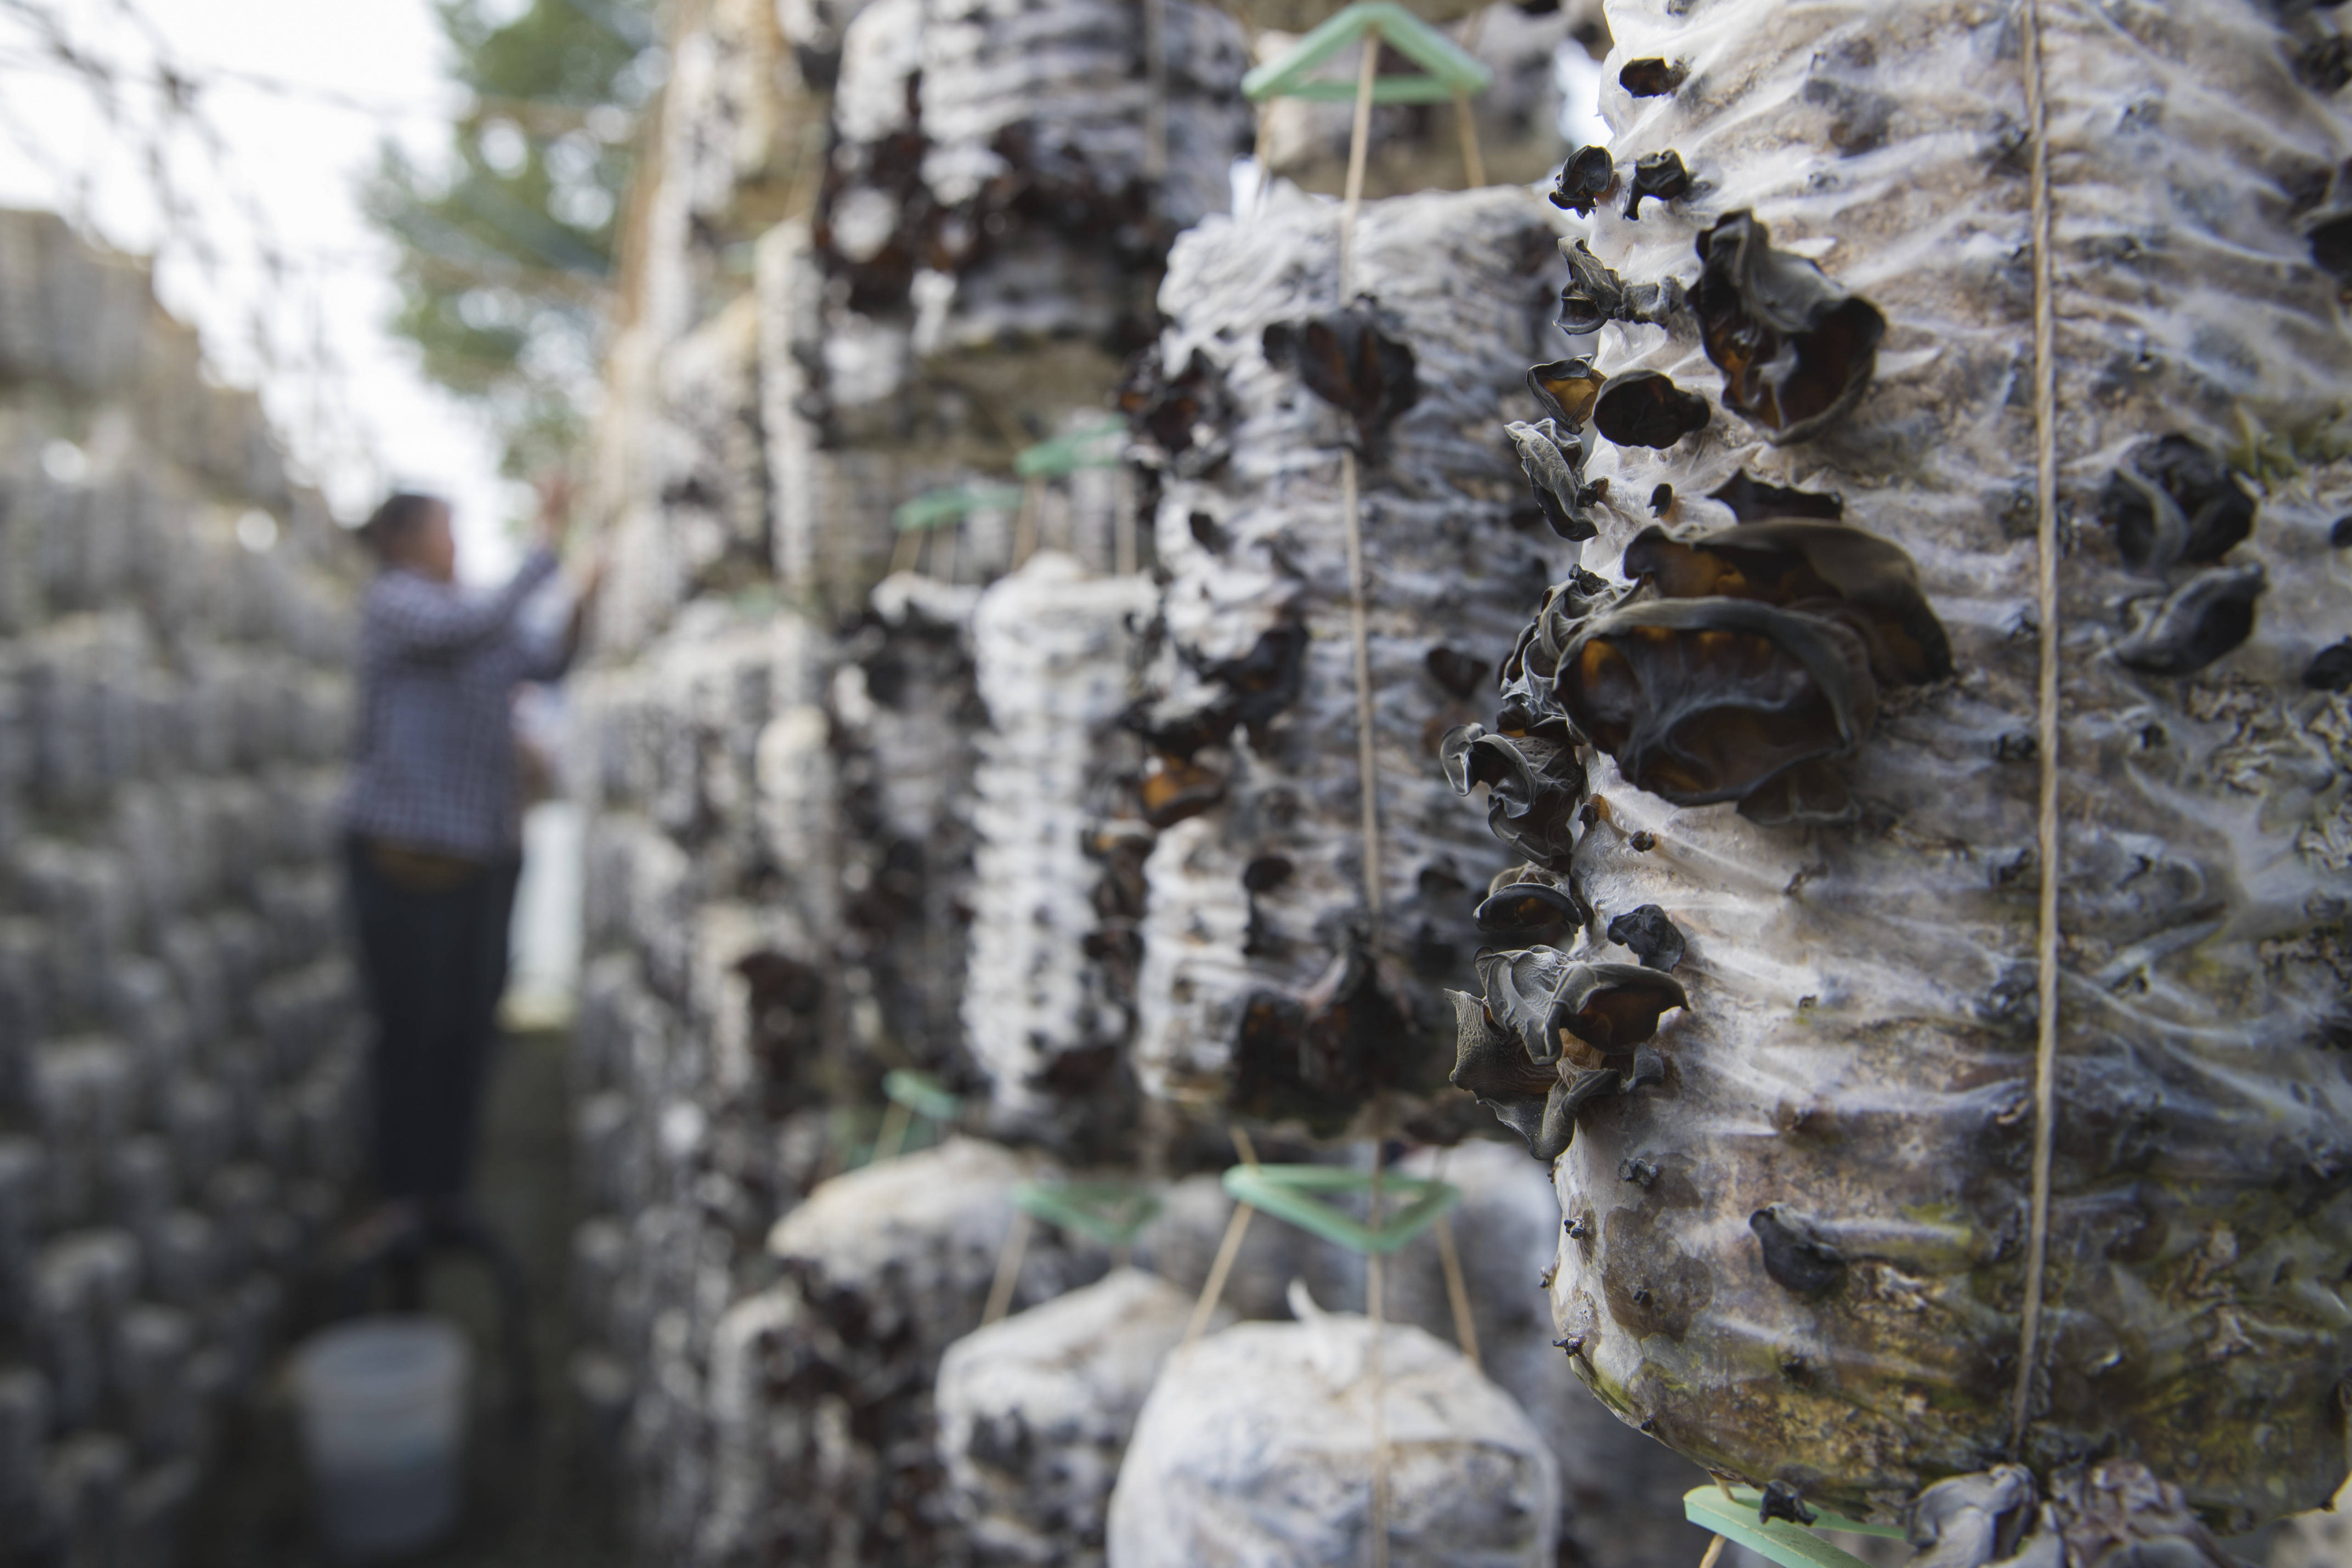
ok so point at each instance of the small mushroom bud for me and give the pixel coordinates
(1794, 1258)
(1651, 935)
(1660, 174)
(1781, 1500)
(1584, 179)
(2206, 617)
(1651, 78)
(2173, 500)
(1661, 500)
(1795, 349)
(1644, 408)
(2330, 669)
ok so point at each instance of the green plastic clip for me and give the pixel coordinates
(1453, 70)
(1109, 1212)
(1789, 1545)
(937, 508)
(1286, 1192)
(1096, 447)
(922, 1094)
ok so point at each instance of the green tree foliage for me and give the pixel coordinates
(506, 251)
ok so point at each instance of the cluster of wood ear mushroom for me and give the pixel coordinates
(1740, 665)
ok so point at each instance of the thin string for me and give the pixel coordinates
(1457, 1289)
(1008, 1269)
(1212, 1288)
(2046, 837)
(1465, 123)
(1375, 1307)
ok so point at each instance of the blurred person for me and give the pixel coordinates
(432, 846)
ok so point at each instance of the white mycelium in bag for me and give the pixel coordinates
(1047, 983)
(1797, 1218)
(1255, 1450)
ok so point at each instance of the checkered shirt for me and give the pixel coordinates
(433, 765)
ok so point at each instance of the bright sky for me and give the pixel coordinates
(277, 83)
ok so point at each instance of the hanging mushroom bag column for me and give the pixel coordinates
(1762, 987)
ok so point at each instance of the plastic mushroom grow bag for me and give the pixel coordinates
(1774, 743)
(1268, 987)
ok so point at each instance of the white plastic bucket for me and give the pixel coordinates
(382, 1401)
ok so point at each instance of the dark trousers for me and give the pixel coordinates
(433, 957)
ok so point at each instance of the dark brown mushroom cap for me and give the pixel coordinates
(1177, 413)
(1644, 408)
(1583, 180)
(1796, 349)
(1652, 935)
(1593, 293)
(1652, 77)
(1489, 1063)
(1177, 790)
(2330, 669)
(1459, 673)
(1526, 676)
(1580, 1012)
(1705, 700)
(2206, 617)
(1539, 1103)
(1527, 912)
(1534, 788)
(1555, 467)
(1824, 568)
(1345, 360)
(1794, 1259)
(2174, 499)
(1569, 387)
(1752, 501)
(1659, 175)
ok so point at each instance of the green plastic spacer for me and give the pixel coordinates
(1286, 1192)
(1109, 1212)
(937, 508)
(922, 1094)
(1095, 448)
(1789, 1545)
(1451, 69)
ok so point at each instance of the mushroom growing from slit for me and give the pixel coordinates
(1551, 1033)
(1644, 408)
(2173, 500)
(1659, 175)
(2208, 616)
(1554, 467)
(1587, 177)
(1796, 349)
(1345, 360)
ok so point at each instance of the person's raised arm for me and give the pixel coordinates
(418, 616)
